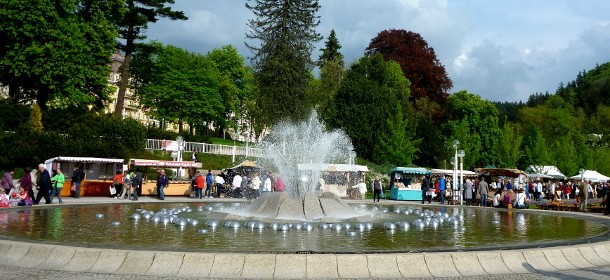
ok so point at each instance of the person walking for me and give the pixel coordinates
(442, 188)
(582, 196)
(162, 183)
(256, 185)
(117, 182)
(135, 184)
(44, 186)
(468, 192)
(267, 184)
(483, 190)
(77, 178)
(7, 181)
(209, 183)
(26, 182)
(377, 189)
(425, 190)
(58, 183)
(126, 186)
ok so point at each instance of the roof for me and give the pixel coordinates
(164, 163)
(450, 172)
(85, 159)
(549, 170)
(507, 172)
(411, 170)
(336, 167)
(592, 175)
(245, 163)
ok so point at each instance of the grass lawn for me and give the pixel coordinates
(228, 142)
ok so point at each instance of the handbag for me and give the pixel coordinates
(73, 188)
(112, 190)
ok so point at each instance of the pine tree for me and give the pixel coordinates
(330, 52)
(282, 61)
(35, 121)
(131, 28)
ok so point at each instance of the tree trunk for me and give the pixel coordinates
(120, 100)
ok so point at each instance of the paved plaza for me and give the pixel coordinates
(30, 260)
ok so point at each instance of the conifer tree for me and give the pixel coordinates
(282, 60)
(330, 52)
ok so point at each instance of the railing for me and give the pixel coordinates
(218, 149)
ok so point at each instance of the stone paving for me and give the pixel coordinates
(25, 260)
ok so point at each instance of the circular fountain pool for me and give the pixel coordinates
(213, 227)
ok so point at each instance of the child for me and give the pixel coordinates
(24, 198)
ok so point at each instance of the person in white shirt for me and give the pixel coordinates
(236, 181)
(256, 184)
(267, 184)
(520, 200)
(362, 188)
(219, 181)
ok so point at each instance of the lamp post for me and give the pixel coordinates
(582, 173)
(456, 143)
(180, 142)
(461, 155)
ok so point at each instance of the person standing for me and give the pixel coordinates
(607, 193)
(582, 196)
(135, 184)
(219, 180)
(77, 178)
(236, 181)
(199, 182)
(425, 189)
(7, 181)
(58, 183)
(468, 192)
(442, 188)
(162, 182)
(117, 182)
(483, 190)
(44, 186)
(26, 182)
(209, 182)
(267, 184)
(256, 184)
(279, 185)
(126, 185)
(377, 188)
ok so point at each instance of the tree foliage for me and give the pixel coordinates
(330, 52)
(138, 14)
(372, 106)
(417, 61)
(282, 60)
(57, 51)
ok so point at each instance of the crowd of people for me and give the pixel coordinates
(234, 184)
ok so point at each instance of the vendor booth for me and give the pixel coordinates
(405, 183)
(178, 186)
(98, 173)
(334, 177)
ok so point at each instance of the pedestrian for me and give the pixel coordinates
(26, 182)
(58, 183)
(468, 192)
(442, 188)
(162, 183)
(77, 178)
(117, 182)
(267, 183)
(483, 190)
(607, 199)
(425, 190)
(135, 184)
(7, 181)
(209, 183)
(582, 196)
(44, 186)
(377, 189)
(236, 183)
(279, 185)
(256, 184)
(199, 182)
(126, 186)
(219, 180)
(24, 198)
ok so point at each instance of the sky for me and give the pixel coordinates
(502, 50)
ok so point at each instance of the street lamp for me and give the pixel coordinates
(456, 143)
(461, 155)
(582, 172)
(180, 141)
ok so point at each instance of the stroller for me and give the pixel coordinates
(234, 193)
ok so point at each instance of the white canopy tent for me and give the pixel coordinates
(449, 172)
(591, 175)
(548, 170)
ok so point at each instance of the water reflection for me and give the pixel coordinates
(457, 228)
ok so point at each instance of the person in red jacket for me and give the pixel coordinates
(200, 183)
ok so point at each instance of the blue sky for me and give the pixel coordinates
(502, 50)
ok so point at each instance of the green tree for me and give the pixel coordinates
(372, 106)
(478, 119)
(535, 147)
(508, 150)
(138, 14)
(330, 52)
(35, 121)
(282, 61)
(57, 51)
(177, 85)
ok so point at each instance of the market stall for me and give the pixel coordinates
(98, 173)
(405, 183)
(178, 186)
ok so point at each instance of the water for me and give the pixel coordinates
(479, 229)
